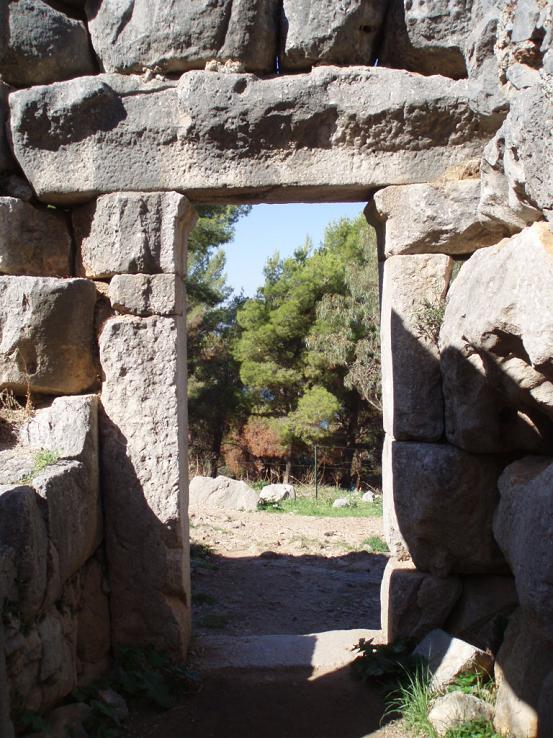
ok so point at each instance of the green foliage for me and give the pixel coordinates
(413, 700)
(473, 729)
(306, 504)
(376, 544)
(41, 461)
(478, 685)
(383, 661)
(430, 318)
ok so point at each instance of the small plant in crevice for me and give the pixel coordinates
(478, 685)
(429, 319)
(473, 729)
(41, 461)
(384, 662)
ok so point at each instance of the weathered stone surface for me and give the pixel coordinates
(133, 233)
(144, 479)
(176, 36)
(93, 624)
(412, 398)
(6, 160)
(22, 529)
(73, 513)
(523, 662)
(32, 241)
(522, 526)
(6, 726)
(327, 32)
(223, 492)
(277, 493)
(58, 672)
(450, 657)
(47, 334)
(545, 707)
(440, 502)
(525, 35)
(517, 170)
(427, 37)
(435, 218)
(456, 708)
(480, 615)
(12, 185)
(412, 603)
(145, 294)
(496, 347)
(39, 44)
(341, 131)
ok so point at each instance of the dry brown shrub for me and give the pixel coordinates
(13, 413)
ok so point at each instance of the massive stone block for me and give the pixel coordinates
(522, 526)
(148, 294)
(32, 241)
(179, 35)
(144, 479)
(413, 602)
(327, 32)
(133, 233)
(439, 503)
(332, 133)
(39, 45)
(434, 218)
(413, 287)
(47, 339)
(496, 347)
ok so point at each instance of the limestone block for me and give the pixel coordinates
(327, 32)
(68, 428)
(33, 241)
(216, 135)
(136, 233)
(523, 663)
(39, 44)
(93, 624)
(72, 513)
(145, 294)
(179, 35)
(22, 529)
(523, 525)
(449, 657)
(412, 603)
(6, 160)
(58, 664)
(496, 346)
(23, 651)
(222, 492)
(412, 398)
(143, 431)
(480, 615)
(443, 501)
(435, 218)
(427, 37)
(47, 335)
(455, 709)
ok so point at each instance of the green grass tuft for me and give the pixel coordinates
(474, 729)
(376, 544)
(413, 701)
(306, 504)
(41, 461)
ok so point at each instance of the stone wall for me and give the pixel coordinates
(114, 124)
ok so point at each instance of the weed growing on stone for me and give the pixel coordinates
(473, 729)
(41, 461)
(430, 318)
(13, 414)
(478, 685)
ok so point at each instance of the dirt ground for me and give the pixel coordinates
(274, 573)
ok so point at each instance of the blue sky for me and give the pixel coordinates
(270, 228)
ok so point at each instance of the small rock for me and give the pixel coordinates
(340, 503)
(450, 657)
(113, 699)
(456, 708)
(368, 497)
(277, 493)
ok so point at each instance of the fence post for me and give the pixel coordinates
(316, 475)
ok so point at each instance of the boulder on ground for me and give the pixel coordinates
(327, 32)
(277, 493)
(413, 290)
(180, 35)
(439, 218)
(135, 233)
(523, 526)
(33, 241)
(522, 666)
(456, 708)
(439, 503)
(448, 658)
(222, 492)
(39, 44)
(341, 503)
(212, 134)
(496, 346)
(47, 335)
(368, 496)
(412, 603)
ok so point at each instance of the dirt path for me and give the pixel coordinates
(270, 573)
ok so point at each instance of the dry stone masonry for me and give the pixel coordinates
(114, 118)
